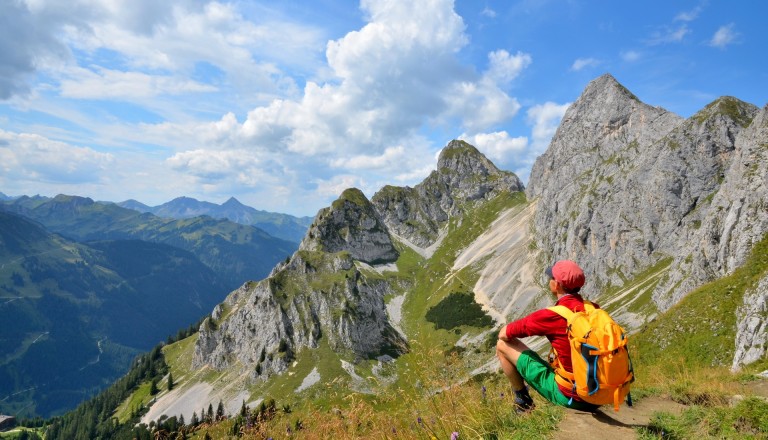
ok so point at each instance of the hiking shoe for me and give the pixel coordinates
(523, 402)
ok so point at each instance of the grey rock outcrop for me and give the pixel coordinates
(463, 175)
(318, 292)
(752, 327)
(351, 224)
(625, 186)
(264, 324)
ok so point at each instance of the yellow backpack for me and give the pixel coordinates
(602, 369)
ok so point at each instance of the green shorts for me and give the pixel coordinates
(540, 375)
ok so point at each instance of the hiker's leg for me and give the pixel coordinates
(508, 351)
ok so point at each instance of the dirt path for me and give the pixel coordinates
(607, 424)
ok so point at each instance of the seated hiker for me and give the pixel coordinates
(521, 364)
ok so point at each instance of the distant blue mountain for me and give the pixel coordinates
(278, 225)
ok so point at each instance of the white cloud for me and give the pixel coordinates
(581, 63)
(691, 15)
(334, 186)
(358, 110)
(392, 157)
(504, 68)
(30, 157)
(498, 146)
(107, 84)
(630, 56)
(724, 36)
(488, 12)
(545, 118)
(669, 35)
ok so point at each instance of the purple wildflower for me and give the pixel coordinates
(419, 421)
(454, 435)
(484, 390)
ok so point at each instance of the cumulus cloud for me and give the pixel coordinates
(334, 186)
(544, 118)
(353, 104)
(30, 157)
(498, 146)
(24, 41)
(397, 71)
(581, 63)
(724, 36)
(504, 67)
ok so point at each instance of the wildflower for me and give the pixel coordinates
(484, 390)
(455, 435)
(419, 421)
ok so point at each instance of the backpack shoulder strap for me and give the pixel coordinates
(588, 306)
(563, 311)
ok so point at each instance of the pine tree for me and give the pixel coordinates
(220, 411)
(195, 421)
(153, 387)
(209, 417)
(170, 381)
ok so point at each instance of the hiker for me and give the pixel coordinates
(521, 364)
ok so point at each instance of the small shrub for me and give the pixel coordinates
(458, 308)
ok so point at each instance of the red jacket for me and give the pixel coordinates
(547, 323)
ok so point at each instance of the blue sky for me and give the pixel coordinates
(283, 105)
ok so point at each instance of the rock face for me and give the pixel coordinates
(752, 327)
(463, 175)
(262, 325)
(625, 186)
(351, 224)
(318, 292)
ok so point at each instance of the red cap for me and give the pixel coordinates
(567, 273)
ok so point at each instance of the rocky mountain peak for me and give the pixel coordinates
(460, 157)
(727, 107)
(600, 125)
(351, 224)
(463, 176)
(232, 203)
(625, 186)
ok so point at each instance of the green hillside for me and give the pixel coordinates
(73, 315)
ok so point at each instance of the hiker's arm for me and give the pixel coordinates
(539, 323)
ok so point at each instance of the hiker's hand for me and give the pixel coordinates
(503, 334)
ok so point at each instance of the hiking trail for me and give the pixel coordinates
(606, 424)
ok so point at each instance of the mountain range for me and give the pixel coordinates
(284, 226)
(652, 205)
(403, 294)
(86, 286)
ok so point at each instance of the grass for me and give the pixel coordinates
(479, 408)
(686, 353)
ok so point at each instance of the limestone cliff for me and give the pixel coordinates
(625, 187)
(351, 224)
(318, 292)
